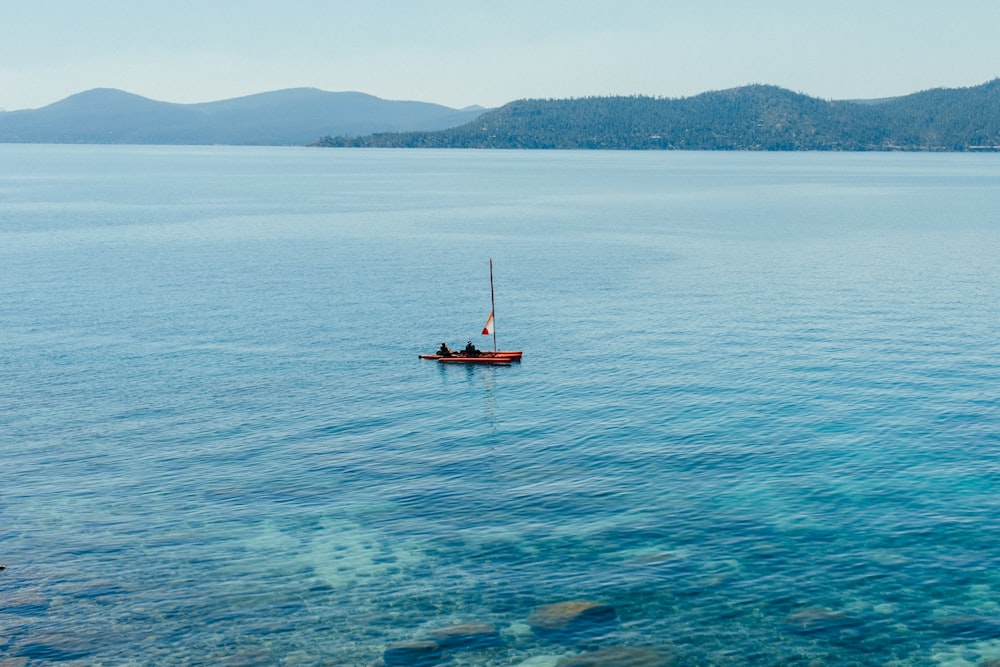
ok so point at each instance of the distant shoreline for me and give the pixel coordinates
(750, 118)
(754, 118)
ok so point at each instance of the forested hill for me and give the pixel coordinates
(754, 117)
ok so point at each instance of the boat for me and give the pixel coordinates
(493, 361)
(495, 357)
(511, 355)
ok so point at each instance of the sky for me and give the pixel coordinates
(465, 52)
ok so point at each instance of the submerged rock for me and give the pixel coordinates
(412, 654)
(970, 627)
(655, 558)
(814, 620)
(622, 656)
(540, 661)
(568, 619)
(466, 635)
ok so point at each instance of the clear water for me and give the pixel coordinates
(757, 411)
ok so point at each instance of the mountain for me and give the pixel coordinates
(755, 117)
(286, 117)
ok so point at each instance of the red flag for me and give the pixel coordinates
(488, 329)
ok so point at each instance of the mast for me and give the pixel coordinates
(493, 306)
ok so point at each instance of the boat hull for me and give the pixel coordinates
(492, 361)
(510, 355)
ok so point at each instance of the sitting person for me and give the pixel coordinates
(443, 351)
(470, 350)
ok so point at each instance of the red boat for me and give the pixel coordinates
(473, 356)
(509, 355)
(493, 361)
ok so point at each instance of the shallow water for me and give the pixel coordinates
(756, 414)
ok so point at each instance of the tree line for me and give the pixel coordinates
(755, 117)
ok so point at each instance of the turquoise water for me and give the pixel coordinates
(757, 412)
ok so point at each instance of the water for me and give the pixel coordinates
(757, 411)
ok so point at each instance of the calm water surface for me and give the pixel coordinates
(757, 412)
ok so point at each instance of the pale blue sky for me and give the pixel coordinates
(459, 53)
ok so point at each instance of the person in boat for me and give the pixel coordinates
(443, 351)
(470, 350)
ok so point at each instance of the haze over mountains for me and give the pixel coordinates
(755, 117)
(296, 116)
